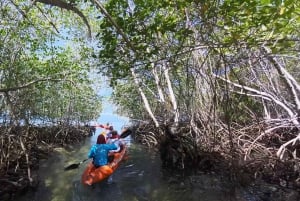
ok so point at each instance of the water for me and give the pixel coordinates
(140, 178)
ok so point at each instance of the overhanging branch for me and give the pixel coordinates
(5, 90)
(69, 7)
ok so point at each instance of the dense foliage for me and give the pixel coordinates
(45, 68)
(207, 75)
(209, 63)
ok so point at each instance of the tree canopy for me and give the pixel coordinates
(208, 63)
(46, 66)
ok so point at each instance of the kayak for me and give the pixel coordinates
(92, 175)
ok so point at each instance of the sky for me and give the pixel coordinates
(108, 114)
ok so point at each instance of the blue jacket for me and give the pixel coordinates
(99, 153)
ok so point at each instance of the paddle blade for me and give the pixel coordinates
(72, 166)
(75, 165)
(125, 133)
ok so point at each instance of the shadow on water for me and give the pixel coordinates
(140, 178)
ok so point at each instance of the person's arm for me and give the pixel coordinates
(92, 152)
(117, 144)
(112, 146)
(118, 149)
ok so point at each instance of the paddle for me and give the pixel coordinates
(124, 134)
(75, 165)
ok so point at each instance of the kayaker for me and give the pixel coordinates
(114, 139)
(114, 135)
(108, 128)
(104, 134)
(109, 132)
(99, 152)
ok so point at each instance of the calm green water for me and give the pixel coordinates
(140, 178)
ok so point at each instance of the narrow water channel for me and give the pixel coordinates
(140, 178)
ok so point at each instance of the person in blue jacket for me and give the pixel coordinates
(99, 152)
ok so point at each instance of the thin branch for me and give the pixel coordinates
(69, 7)
(288, 79)
(119, 29)
(51, 23)
(32, 83)
(261, 135)
(19, 10)
(262, 95)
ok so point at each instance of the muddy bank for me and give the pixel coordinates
(23, 147)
